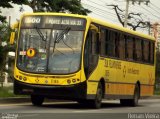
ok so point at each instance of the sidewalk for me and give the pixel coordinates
(27, 99)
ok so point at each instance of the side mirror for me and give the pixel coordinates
(15, 25)
(93, 27)
(96, 29)
(12, 37)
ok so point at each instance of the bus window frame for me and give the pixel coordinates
(134, 46)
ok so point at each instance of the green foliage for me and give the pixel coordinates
(8, 4)
(71, 6)
(4, 47)
(6, 92)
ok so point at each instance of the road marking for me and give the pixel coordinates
(27, 115)
(93, 111)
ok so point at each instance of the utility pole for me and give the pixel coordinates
(126, 14)
(127, 8)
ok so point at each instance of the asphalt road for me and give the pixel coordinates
(147, 109)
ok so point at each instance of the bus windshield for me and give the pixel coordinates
(55, 51)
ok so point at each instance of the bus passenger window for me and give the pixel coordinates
(151, 49)
(129, 47)
(102, 43)
(145, 51)
(138, 50)
(110, 43)
(94, 47)
(117, 43)
(121, 48)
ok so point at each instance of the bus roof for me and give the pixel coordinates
(94, 20)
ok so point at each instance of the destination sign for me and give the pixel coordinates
(50, 21)
(32, 20)
(65, 21)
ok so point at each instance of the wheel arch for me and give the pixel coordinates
(139, 85)
(102, 81)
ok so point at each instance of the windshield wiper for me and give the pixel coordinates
(61, 35)
(41, 34)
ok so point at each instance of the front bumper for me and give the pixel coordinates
(73, 92)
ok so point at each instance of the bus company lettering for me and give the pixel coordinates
(133, 71)
(113, 64)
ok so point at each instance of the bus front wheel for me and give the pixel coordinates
(37, 100)
(96, 103)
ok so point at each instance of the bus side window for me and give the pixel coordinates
(117, 43)
(121, 47)
(95, 43)
(110, 43)
(145, 45)
(102, 43)
(138, 50)
(129, 47)
(151, 49)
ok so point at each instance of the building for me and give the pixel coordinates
(155, 32)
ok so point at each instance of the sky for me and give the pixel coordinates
(101, 11)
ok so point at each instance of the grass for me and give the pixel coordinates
(8, 92)
(157, 91)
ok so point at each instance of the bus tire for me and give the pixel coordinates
(132, 102)
(96, 103)
(37, 100)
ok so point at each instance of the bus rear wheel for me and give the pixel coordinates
(37, 100)
(132, 102)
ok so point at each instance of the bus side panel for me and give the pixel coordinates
(147, 80)
(121, 77)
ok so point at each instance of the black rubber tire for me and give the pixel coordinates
(132, 102)
(97, 102)
(37, 100)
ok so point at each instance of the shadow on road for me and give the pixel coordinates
(75, 105)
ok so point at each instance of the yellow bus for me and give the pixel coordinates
(75, 57)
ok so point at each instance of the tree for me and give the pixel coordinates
(4, 35)
(8, 4)
(135, 19)
(4, 48)
(71, 6)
